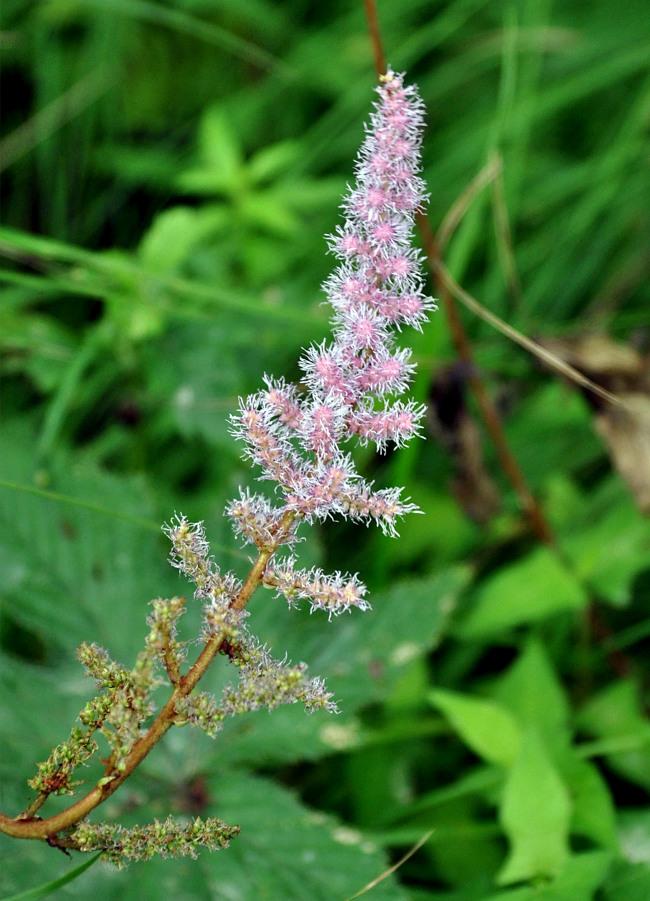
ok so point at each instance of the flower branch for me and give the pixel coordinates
(299, 440)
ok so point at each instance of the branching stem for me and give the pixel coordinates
(28, 825)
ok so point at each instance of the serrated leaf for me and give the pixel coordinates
(361, 657)
(285, 851)
(535, 813)
(181, 370)
(485, 726)
(83, 561)
(288, 851)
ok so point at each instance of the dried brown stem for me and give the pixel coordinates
(531, 507)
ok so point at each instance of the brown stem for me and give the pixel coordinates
(375, 37)
(26, 825)
(534, 512)
(538, 522)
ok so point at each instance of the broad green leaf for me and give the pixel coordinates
(285, 850)
(485, 726)
(593, 812)
(529, 590)
(579, 879)
(364, 656)
(610, 543)
(272, 161)
(83, 560)
(195, 372)
(221, 167)
(174, 233)
(532, 692)
(270, 213)
(552, 429)
(443, 528)
(219, 144)
(535, 814)
(361, 657)
(627, 882)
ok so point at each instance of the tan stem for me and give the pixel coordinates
(26, 825)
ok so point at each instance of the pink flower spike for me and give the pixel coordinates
(297, 436)
(334, 593)
(396, 424)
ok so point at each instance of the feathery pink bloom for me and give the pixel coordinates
(298, 439)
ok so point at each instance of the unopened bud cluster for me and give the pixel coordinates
(168, 839)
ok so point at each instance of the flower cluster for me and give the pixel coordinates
(168, 839)
(299, 436)
(334, 592)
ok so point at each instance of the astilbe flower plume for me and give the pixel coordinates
(299, 438)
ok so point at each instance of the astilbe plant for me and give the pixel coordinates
(298, 437)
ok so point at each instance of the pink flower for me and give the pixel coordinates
(297, 438)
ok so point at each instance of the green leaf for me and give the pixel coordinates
(629, 879)
(531, 690)
(609, 542)
(616, 713)
(551, 430)
(272, 161)
(174, 233)
(285, 850)
(485, 726)
(49, 887)
(627, 882)
(593, 811)
(221, 164)
(270, 213)
(535, 813)
(361, 657)
(366, 655)
(527, 591)
(579, 879)
(85, 556)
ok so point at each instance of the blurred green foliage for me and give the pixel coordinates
(170, 169)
